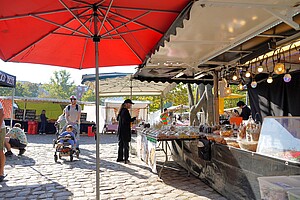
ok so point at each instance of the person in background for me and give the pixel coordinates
(43, 119)
(73, 113)
(164, 117)
(246, 112)
(2, 139)
(124, 131)
(15, 138)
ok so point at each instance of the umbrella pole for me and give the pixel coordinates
(12, 108)
(96, 40)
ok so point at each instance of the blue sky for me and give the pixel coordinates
(41, 73)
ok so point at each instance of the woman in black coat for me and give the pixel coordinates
(124, 131)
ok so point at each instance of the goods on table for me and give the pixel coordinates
(252, 130)
(248, 145)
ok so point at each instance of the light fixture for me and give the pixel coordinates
(199, 76)
(260, 68)
(287, 78)
(270, 79)
(279, 67)
(228, 90)
(253, 84)
(240, 86)
(234, 77)
(248, 74)
(179, 74)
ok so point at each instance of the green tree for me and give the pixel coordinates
(155, 101)
(178, 96)
(23, 89)
(231, 103)
(89, 95)
(59, 86)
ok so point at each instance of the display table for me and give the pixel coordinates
(148, 145)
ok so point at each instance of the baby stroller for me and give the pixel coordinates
(63, 148)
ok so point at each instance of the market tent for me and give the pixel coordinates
(52, 106)
(7, 80)
(220, 35)
(127, 86)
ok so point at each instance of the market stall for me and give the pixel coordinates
(29, 109)
(7, 80)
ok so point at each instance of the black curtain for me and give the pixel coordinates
(276, 99)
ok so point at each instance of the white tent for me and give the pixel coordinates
(127, 86)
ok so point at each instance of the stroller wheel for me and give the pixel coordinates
(54, 141)
(77, 154)
(55, 158)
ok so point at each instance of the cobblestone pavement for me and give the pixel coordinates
(35, 175)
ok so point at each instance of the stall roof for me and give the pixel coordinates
(221, 34)
(7, 80)
(37, 99)
(117, 104)
(121, 86)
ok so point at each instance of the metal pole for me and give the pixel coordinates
(96, 40)
(161, 103)
(216, 97)
(12, 107)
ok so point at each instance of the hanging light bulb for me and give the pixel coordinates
(270, 79)
(287, 78)
(253, 84)
(240, 86)
(260, 68)
(279, 68)
(248, 74)
(227, 90)
(234, 77)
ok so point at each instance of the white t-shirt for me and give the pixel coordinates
(3, 123)
(73, 113)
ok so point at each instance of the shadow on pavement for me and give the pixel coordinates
(19, 160)
(51, 190)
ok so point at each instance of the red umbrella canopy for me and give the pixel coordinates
(62, 32)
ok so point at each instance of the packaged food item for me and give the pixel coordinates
(252, 130)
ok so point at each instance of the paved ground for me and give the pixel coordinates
(36, 176)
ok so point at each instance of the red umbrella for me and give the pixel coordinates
(85, 34)
(63, 32)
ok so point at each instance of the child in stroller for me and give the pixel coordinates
(66, 143)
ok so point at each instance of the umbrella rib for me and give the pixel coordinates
(59, 25)
(124, 33)
(85, 45)
(142, 9)
(29, 46)
(126, 42)
(108, 9)
(124, 24)
(138, 23)
(75, 16)
(82, 2)
(39, 13)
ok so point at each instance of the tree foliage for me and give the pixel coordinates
(59, 86)
(89, 95)
(23, 89)
(177, 96)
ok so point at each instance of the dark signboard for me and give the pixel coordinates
(7, 80)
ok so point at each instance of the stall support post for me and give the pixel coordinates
(161, 104)
(12, 107)
(216, 97)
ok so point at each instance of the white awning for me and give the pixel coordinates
(125, 86)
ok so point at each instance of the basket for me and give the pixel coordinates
(250, 146)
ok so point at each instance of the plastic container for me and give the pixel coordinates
(294, 194)
(276, 187)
